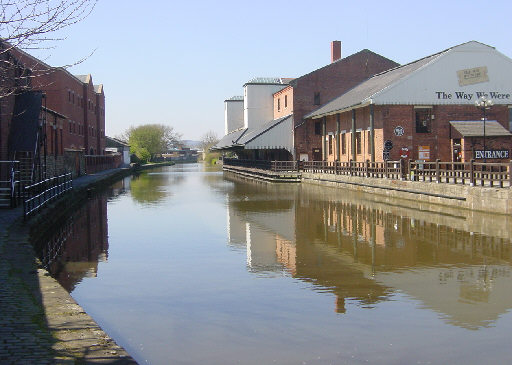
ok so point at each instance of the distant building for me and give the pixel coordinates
(114, 145)
(183, 154)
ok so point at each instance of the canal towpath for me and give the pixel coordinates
(40, 323)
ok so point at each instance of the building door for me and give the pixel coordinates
(317, 154)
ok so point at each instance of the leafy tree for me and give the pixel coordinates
(148, 140)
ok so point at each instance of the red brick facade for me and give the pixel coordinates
(310, 91)
(397, 124)
(79, 102)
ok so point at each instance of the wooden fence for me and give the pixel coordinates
(466, 173)
(96, 163)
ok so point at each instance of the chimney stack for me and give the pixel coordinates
(335, 51)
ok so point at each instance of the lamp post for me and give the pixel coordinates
(483, 104)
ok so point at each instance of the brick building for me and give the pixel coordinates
(308, 92)
(71, 121)
(267, 122)
(424, 110)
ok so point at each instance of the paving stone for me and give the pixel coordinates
(31, 329)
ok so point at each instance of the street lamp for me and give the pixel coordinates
(483, 103)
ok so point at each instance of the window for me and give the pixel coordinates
(358, 143)
(70, 127)
(279, 104)
(316, 98)
(286, 101)
(73, 98)
(330, 145)
(423, 120)
(69, 95)
(318, 128)
(343, 143)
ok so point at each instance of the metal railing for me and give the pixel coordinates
(465, 173)
(41, 193)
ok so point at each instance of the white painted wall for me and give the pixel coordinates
(281, 136)
(437, 82)
(233, 115)
(259, 103)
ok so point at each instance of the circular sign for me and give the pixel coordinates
(404, 152)
(388, 145)
(399, 131)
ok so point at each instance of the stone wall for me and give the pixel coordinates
(485, 199)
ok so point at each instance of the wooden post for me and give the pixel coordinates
(472, 172)
(438, 172)
(510, 174)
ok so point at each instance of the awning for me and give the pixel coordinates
(276, 134)
(475, 128)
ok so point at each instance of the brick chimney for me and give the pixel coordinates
(335, 51)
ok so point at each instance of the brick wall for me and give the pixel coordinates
(330, 82)
(438, 139)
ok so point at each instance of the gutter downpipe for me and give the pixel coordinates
(338, 154)
(353, 135)
(372, 133)
(324, 144)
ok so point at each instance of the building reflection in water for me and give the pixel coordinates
(73, 251)
(365, 252)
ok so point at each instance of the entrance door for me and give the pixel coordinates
(317, 154)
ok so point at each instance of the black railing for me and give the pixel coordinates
(39, 194)
(465, 173)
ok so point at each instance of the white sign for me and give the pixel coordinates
(472, 76)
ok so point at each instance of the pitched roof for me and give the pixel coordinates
(230, 139)
(475, 128)
(235, 98)
(365, 90)
(254, 133)
(341, 60)
(363, 93)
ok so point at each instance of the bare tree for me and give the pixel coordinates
(32, 24)
(208, 140)
(29, 24)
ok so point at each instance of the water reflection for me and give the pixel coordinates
(153, 187)
(73, 251)
(364, 251)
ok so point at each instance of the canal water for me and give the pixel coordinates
(187, 265)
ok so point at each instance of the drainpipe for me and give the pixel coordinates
(338, 152)
(353, 144)
(372, 134)
(324, 144)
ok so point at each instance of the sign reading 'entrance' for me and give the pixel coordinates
(496, 154)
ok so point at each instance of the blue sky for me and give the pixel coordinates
(176, 62)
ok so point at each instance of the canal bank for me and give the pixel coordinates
(484, 199)
(40, 322)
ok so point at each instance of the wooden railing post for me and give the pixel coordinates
(472, 172)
